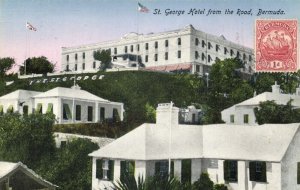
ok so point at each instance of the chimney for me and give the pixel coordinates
(276, 88)
(166, 115)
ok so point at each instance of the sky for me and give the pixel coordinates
(65, 23)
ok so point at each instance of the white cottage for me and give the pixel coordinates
(256, 158)
(19, 176)
(70, 105)
(243, 113)
(18, 101)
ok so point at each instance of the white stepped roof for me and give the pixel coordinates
(267, 142)
(70, 93)
(19, 94)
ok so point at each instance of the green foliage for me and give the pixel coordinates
(37, 65)
(150, 113)
(70, 167)
(105, 129)
(203, 183)
(220, 187)
(27, 139)
(270, 112)
(6, 64)
(104, 57)
(226, 87)
(262, 82)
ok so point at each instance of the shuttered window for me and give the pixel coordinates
(66, 112)
(258, 171)
(1, 109)
(230, 171)
(127, 169)
(10, 109)
(186, 171)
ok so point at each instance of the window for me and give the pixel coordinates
(146, 58)
(225, 50)
(66, 112)
(83, 66)
(155, 57)
(146, 46)
(115, 51)
(166, 43)
(63, 144)
(196, 55)
(105, 169)
(250, 58)
(67, 57)
(78, 112)
(230, 171)
(127, 169)
(115, 115)
(138, 47)
(238, 54)
(166, 56)
(197, 68)
(203, 56)
(25, 110)
(39, 108)
(50, 108)
(75, 67)
(209, 58)
(90, 113)
(231, 52)
(244, 57)
(94, 65)
(298, 173)
(67, 68)
(196, 42)
(179, 54)
(131, 48)
(217, 47)
(258, 171)
(125, 49)
(209, 45)
(246, 118)
(102, 114)
(186, 171)
(83, 55)
(76, 56)
(231, 118)
(1, 109)
(156, 45)
(203, 43)
(179, 41)
(162, 169)
(10, 109)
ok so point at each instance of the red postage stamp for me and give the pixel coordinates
(276, 45)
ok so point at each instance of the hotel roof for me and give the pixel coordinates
(19, 94)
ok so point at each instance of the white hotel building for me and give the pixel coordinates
(185, 49)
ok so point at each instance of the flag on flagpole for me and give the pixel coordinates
(142, 8)
(30, 27)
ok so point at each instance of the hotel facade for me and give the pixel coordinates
(186, 49)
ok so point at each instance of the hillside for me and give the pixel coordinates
(134, 88)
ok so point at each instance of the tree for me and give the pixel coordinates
(104, 57)
(150, 113)
(226, 87)
(203, 183)
(5, 65)
(70, 167)
(270, 112)
(27, 139)
(37, 65)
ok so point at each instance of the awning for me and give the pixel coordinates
(168, 68)
(50, 108)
